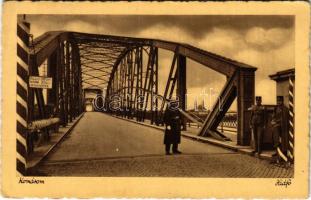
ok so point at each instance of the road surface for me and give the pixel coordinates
(102, 145)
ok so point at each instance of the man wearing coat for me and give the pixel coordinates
(280, 125)
(257, 124)
(172, 130)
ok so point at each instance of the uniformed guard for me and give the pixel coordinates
(172, 133)
(257, 124)
(280, 124)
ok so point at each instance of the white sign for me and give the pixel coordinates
(40, 82)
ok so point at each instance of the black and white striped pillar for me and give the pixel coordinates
(23, 29)
(290, 151)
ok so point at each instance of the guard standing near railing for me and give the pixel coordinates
(280, 131)
(257, 124)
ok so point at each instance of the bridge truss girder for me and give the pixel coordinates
(115, 64)
(65, 97)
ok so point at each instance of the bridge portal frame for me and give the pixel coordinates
(240, 77)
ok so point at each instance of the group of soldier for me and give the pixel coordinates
(279, 125)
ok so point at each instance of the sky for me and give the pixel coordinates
(265, 42)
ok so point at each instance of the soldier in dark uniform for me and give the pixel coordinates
(257, 124)
(280, 125)
(172, 134)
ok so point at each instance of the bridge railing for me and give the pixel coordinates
(229, 121)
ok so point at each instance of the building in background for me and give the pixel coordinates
(283, 79)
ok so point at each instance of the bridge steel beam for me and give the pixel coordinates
(130, 80)
(53, 93)
(245, 99)
(125, 87)
(154, 88)
(72, 83)
(61, 74)
(52, 72)
(182, 85)
(220, 64)
(81, 102)
(66, 80)
(119, 92)
(170, 85)
(46, 44)
(74, 96)
(77, 74)
(122, 48)
(145, 85)
(241, 86)
(135, 79)
(221, 106)
(139, 84)
(133, 82)
(57, 83)
(149, 79)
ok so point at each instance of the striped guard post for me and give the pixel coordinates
(23, 29)
(280, 153)
(290, 151)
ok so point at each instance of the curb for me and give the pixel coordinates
(188, 136)
(240, 149)
(54, 145)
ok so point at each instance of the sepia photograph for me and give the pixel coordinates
(157, 95)
(204, 101)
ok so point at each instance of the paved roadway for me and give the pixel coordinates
(101, 145)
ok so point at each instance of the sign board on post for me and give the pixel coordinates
(40, 82)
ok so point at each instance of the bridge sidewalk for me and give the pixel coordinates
(191, 133)
(43, 150)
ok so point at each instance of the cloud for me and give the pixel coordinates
(268, 62)
(194, 25)
(266, 42)
(267, 39)
(270, 50)
(222, 41)
(82, 26)
(170, 33)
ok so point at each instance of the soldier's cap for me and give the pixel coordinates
(279, 98)
(258, 98)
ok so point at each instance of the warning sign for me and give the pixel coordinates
(40, 82)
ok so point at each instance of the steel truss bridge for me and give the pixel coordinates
(127, 69)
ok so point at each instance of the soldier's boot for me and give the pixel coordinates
(175, 149)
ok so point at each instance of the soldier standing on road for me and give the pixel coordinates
(172, 130)
(257, 124)
(280, 124)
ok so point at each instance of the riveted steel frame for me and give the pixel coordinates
(65, 95)
(139, 83)
(170, 85)
(149, 80)
(154, 88)
(182, 85)
(115, 63)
